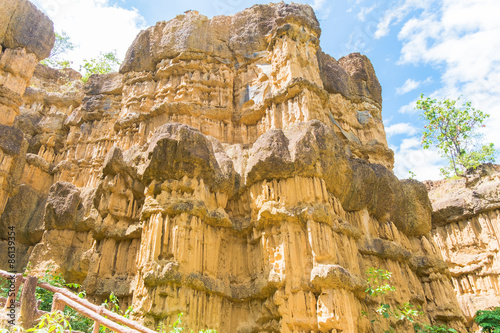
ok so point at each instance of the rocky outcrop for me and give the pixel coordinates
(22, 25)
(26, 36)
(352, 77)
(465, 222)
(237, 77)
(231, 171)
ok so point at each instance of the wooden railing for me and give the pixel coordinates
(29, 312)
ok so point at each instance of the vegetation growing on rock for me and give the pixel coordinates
(105, 63)
(62, 45)
(452, 129)
(489, 320)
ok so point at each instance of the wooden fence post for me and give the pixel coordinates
(97, 325)
(63, 297)
(56, 304)
(28, 313)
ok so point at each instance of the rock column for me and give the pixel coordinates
(26, 37)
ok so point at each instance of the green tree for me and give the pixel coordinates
(489, 320)
(61, 46)
(105, 63)
(377, 288)
(453, 130)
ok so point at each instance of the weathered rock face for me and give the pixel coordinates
(26, 36)
(465, 222)
(236, 77)
(22, 25)
(231, 171)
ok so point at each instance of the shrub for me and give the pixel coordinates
(453, 131)
(489, 320)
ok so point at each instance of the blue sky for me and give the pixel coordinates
(442, 48)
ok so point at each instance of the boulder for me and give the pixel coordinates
(23, 25)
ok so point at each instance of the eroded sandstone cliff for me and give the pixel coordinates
(466, 221)
(231, 171)
(26, 37)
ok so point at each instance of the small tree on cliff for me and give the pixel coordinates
(105, 63)
(61, 46)
(453, 130)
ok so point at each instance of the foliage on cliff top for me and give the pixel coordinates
(62, 45)
(452, 129)
(105, 63)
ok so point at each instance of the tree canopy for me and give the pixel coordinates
(452, 129)
(62, 45)
(489, 320)
(105, 63)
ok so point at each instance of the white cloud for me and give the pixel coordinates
(397, 13)
(410, 85)
(365, 11)
(358, 41)
(461, 39)
(321, 11)
(410, 143)
(94, 26)
(400, 128)
(425, 163)
(409, 108)
(318, 4)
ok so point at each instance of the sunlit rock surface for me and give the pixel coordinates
(26, 37)
(231, 171)
(466, 221)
